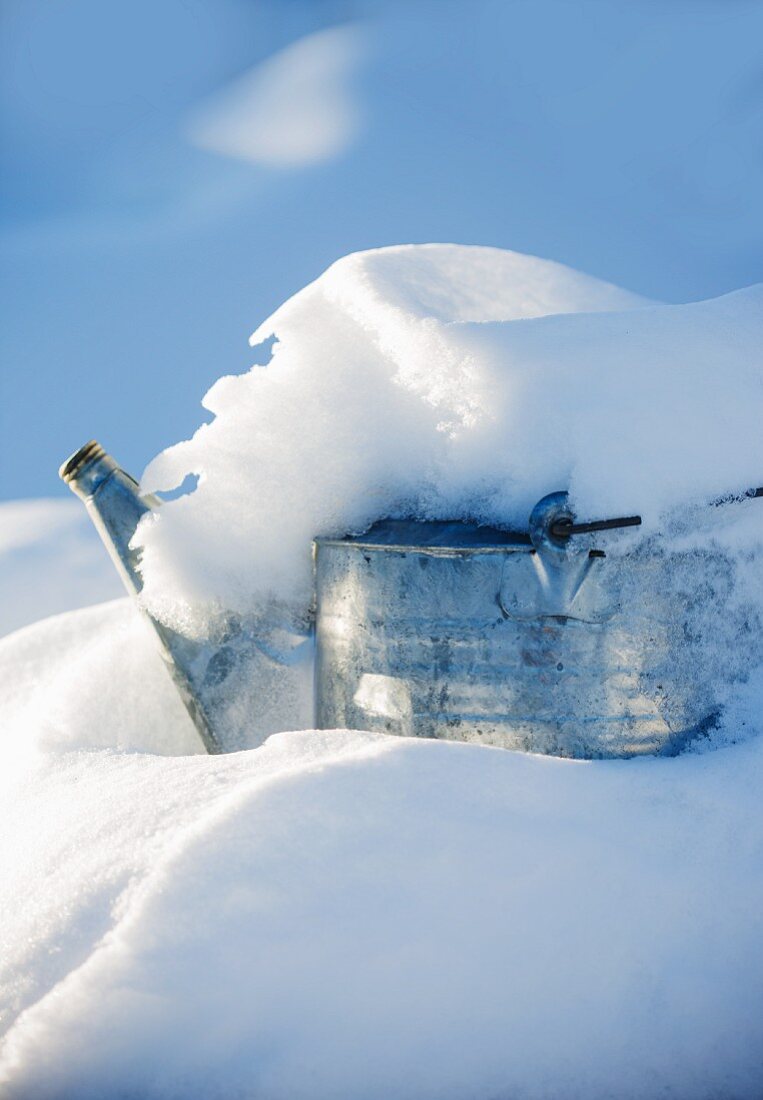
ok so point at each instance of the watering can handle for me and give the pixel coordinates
(552, 523)
(564, 526)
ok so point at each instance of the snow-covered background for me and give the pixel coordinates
(51, 560)
(337, 913)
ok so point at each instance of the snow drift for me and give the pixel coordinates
(341, 914)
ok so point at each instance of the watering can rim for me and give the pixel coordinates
(431, 537)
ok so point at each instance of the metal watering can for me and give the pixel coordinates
(531, 640)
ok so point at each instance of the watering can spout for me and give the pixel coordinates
(115, 506)
(87, 468)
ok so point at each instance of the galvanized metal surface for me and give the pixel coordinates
(539, 644)
(115, 506)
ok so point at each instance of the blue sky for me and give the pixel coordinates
(625, 139)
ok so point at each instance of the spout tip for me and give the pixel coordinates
(81, 458)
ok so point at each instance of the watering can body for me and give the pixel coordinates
(463, 633)
(533, 641)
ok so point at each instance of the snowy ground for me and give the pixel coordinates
(340, 914)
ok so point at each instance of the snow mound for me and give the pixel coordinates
(443, 381)
(89, 679)
(371, 405)
(342, 914)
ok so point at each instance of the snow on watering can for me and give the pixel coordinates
(536, 640)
